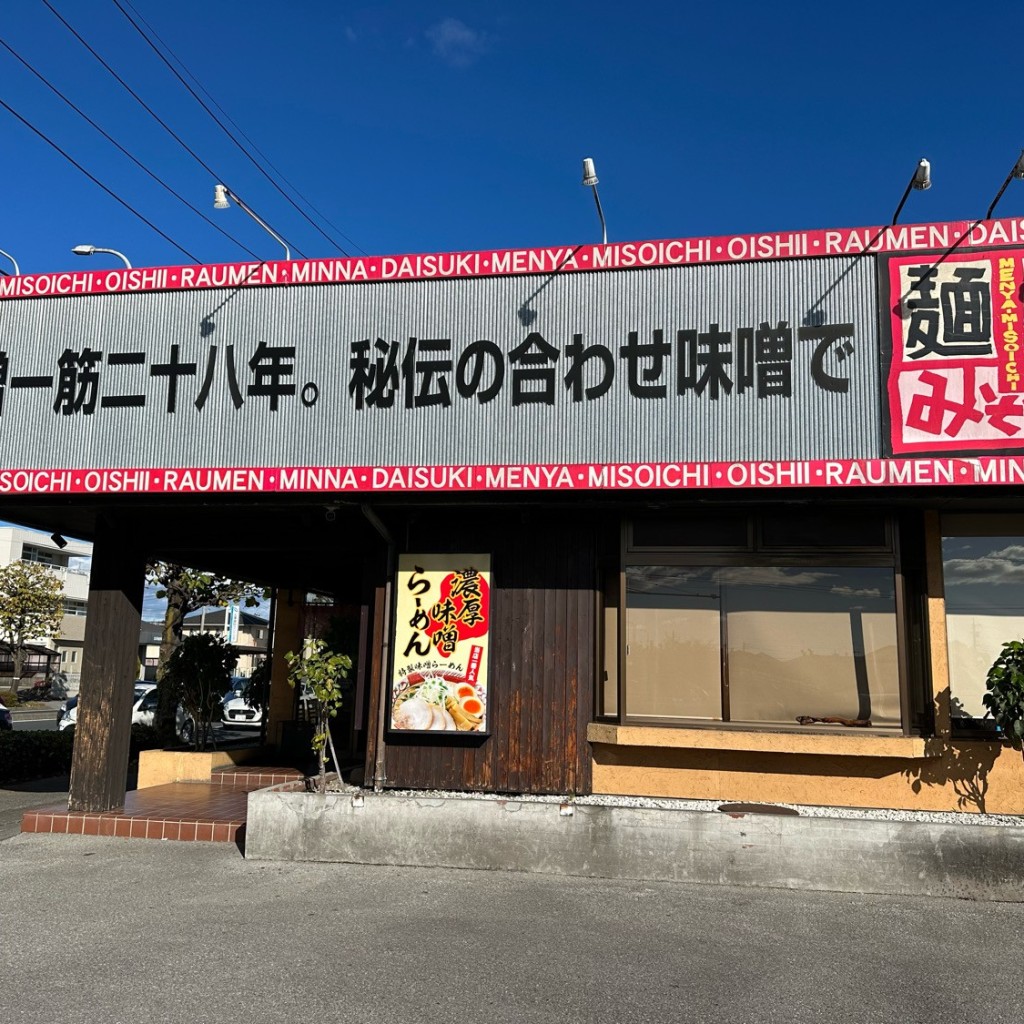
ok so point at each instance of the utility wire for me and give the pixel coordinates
(96, 181)
(227, 131)
(199, 85)
(138, 99)
(138, 163)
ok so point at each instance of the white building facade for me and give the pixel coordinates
(70, 564)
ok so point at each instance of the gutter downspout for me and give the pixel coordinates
(379, 778)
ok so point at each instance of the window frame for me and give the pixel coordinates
(971, 524)
(753, 556)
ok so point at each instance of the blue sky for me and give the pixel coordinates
(421, 126)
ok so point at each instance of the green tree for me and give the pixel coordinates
(198, 673)
(320, 674)
(1004, 699)
(31, 606)
(188, 590)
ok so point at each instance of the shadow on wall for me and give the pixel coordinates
(957, 772)
(964, 766)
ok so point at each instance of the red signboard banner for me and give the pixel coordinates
(955, 376)
(634, 476)
(499, 262)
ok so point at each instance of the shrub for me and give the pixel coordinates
(1005, 697)
(34, 755)
(144, 737)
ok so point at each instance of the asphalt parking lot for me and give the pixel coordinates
(138, 931)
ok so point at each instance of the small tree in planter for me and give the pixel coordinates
(319, 673)
(199, 672)
(1004, 700)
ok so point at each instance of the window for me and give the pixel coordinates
(30, 553)
(983, 578)
(796, 617)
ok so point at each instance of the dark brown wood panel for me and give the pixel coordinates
(542, 667)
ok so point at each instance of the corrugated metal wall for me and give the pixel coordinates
(323, 322)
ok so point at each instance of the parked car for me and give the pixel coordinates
(238, 712)
(71, 704)
(143, 707)
(69, 716)
(65, 707)
(143, 713)
(5, 717)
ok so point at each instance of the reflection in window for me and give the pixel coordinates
(762, 643)
(984, 586)
(672, 632)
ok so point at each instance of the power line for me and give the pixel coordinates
(220, 124)
(81, 113)
(67, 156)
(142, 103)
(241, 131)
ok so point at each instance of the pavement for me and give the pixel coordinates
(126, 932)
(40, 714)
(18, 797)
(50, 707)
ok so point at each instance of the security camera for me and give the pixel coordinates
(330, 513)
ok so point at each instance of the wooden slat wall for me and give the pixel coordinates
(542, 668)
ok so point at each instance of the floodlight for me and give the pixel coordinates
(920, 180)
(590, 181)
(90, 250)
(221, 195)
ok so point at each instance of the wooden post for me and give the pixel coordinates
(287, 637)
(937, 626)
(109, 667)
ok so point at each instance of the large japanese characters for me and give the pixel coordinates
(954, 379)
(442, 621)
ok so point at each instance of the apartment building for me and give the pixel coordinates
(69, 561)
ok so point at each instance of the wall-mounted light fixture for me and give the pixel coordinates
(221, 195)
(920, 180)
(1016, 172)
(91, 250)
(590, 181)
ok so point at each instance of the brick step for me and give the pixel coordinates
(253, 777)
(188, 811)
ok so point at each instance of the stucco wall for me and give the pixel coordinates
(957, 776)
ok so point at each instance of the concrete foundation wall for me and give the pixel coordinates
(973, 861)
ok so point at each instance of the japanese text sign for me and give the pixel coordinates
(189, 391)
(955, 375)
(442, 624)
